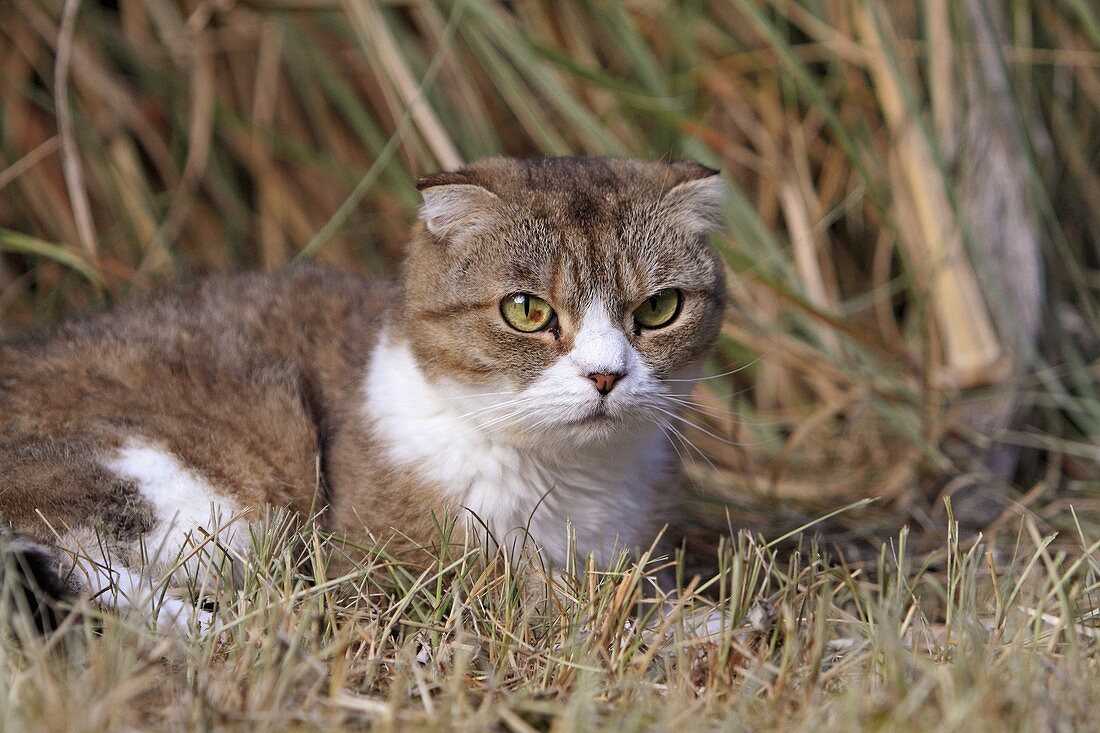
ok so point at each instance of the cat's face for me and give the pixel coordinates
(564, 297)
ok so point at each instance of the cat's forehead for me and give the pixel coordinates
(614, 260)
(577, 229)
(577, 189)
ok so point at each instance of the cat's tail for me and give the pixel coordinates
(30, 585)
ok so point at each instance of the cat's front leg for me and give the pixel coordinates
(141, 591)
(125, 528)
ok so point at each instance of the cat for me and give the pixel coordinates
(521, 376)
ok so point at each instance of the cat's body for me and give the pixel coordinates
(382, 408)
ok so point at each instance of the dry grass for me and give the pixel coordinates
(977, 638)
(914, 273)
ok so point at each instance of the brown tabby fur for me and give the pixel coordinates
(255, 382)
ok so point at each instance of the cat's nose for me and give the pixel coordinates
(605, 381)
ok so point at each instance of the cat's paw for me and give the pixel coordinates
(178, 616)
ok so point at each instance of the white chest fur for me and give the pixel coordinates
(456, 439)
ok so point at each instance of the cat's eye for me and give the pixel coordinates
(526, 312)
(659, 309)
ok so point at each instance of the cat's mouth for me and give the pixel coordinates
(599, 415)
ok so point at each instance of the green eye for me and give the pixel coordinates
(526, 312)
(658, 309)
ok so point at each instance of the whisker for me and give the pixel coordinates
(504, 423)
(716, 414)
(665, 427)
(727, 441)
(688, 444)
(482, 412)
(709, 410)
(719, 376)
(700, 428)
(495, 406)
(501, 418)
(480, 394)
(726, 396)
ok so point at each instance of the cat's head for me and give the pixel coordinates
(569, 293)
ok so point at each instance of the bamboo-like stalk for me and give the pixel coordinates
(972, 352)
(371, 26)
(70, 153)
(943, 92)
(805, 257)
(136, 202)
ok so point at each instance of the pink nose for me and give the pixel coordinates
(604, 382)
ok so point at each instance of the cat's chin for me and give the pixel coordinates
(586, 433)
(598, 427)
(577, 433)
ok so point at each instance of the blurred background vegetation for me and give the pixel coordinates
(914, 223)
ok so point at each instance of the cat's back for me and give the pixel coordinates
(310, 318)
(236, 377)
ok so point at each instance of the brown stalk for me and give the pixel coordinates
(200, 131)
(70, 153)
(274, 248)
(28, 161)
(135, 198)
(88, 70)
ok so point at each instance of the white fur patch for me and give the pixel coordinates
(552, 456)
(188, 512)
(600, 347)
(182, 500)
(117, 587)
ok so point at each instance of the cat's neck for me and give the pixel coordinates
(457, 439)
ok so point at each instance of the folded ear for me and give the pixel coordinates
(453, 211)
(696, 202)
